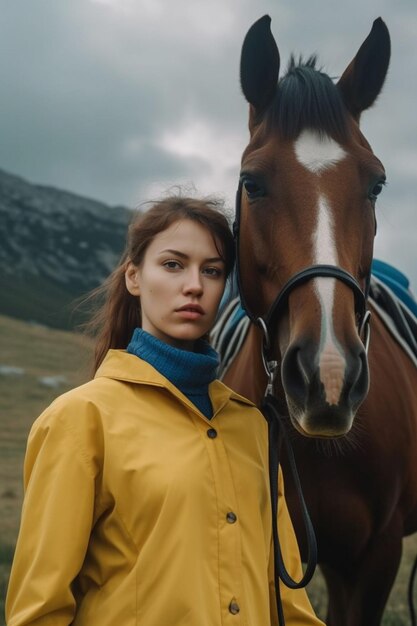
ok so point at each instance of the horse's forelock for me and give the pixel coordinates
(307, 98)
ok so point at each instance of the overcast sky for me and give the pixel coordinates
(119, 99)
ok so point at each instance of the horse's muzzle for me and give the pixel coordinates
(324, 393)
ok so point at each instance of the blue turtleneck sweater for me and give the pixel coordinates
(191, 372)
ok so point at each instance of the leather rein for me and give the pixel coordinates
(270, 408)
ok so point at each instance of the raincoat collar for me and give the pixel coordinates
(119, 365)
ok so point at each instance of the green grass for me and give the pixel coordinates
(6, 556)
(44, 352)
(37, 299)
(40, 352)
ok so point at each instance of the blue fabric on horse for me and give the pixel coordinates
(395, 280)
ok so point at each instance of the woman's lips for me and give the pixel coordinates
(190, 311)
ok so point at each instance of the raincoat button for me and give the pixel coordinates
(231, 517)
(212, 433)
(234, 608)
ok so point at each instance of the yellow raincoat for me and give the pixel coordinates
(140, 511)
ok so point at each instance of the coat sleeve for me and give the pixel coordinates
(56, 521)
(296, 605)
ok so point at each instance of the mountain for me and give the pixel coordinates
(54, 247)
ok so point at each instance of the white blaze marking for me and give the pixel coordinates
(317, 153)
(332, 362)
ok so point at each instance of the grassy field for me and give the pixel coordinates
(39, 352)
(42, 352)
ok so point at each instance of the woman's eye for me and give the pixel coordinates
(172, 265)
(213, 271)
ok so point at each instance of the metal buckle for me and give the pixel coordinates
(269, 366)
(365, 330)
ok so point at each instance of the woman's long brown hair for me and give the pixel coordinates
(118, 312)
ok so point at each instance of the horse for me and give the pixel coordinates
(309, 183)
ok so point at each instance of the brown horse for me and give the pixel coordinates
(309, 182)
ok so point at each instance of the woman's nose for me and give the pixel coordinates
(193, 283)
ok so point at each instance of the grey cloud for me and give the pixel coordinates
(88, 90)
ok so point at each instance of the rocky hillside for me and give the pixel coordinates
(54, 247)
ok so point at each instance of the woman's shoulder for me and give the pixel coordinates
(81, 406)
(68, 429)
(91, 391)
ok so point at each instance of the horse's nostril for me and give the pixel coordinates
(294, 375)
(360, 386)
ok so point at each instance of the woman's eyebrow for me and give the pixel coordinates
(175, 253)
(185, 256)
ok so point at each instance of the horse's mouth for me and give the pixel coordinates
(319, 427)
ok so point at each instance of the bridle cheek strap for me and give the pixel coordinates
(300, 278)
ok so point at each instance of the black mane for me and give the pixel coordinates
(307, 98)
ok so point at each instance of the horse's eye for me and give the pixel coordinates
(252, 188)
(376, 190)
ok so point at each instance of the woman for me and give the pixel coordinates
(147, 499)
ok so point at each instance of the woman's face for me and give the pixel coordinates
(180, 283)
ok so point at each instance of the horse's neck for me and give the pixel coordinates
(246, 375)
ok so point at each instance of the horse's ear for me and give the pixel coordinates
(362, 80)
(259, 66)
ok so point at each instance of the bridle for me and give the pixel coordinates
(297, 279)
(270, 408)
